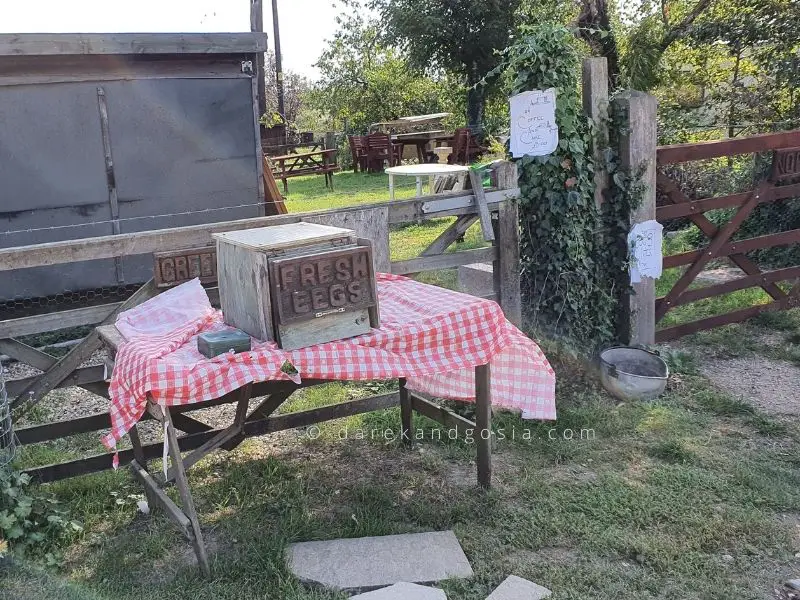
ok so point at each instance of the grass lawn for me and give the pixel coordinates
(694, 496)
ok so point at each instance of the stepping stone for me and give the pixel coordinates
(403, 591)
(373, 562)
(517, 588)
(794, 584)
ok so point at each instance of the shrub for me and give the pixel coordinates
(30, 521)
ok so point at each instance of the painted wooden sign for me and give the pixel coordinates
(175, 268)
(315, 286)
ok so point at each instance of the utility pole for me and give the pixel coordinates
(278, 67)
(257, 25)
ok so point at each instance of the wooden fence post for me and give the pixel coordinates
(595, 105)
(507, 266)
(637, 149)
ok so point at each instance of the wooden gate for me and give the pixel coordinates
(781, 183)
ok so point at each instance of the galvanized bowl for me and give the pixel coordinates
(633, 373)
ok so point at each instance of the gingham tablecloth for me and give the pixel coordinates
(431, 336)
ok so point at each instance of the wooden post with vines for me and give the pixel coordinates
(595, 105)
(637, 150)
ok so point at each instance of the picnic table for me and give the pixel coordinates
(436, 342)
(316, 162)
(421, 141)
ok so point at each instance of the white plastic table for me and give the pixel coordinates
(420, 171)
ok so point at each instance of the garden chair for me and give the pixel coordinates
(359, 151)
(461, 143)
(379, 151)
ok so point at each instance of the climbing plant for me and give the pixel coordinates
(573, 254)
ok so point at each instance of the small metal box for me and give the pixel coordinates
(220, 342)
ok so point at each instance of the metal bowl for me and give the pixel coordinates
(633, 373)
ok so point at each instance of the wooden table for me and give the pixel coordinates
(318, 162)
(421, 141)
(258, 421)
(422, 170)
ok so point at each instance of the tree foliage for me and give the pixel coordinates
(462, 37)
(364, 81)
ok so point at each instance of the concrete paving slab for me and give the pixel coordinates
(403, 591)
(476, 279)
(369, 563)
(517, 588)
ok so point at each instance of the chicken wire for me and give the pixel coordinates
(8, 442)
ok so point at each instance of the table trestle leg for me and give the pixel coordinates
(483, 423)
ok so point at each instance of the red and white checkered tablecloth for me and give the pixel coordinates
(431, 336)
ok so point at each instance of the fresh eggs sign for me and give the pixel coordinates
(534, 131)
(313, 286)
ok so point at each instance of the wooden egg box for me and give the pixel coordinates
(299, 284)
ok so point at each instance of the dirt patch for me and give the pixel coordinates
(772, 386)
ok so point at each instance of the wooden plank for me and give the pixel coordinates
(694, 207)
(406, 414)
(737, 316)
(371, 223)
(163, 240)
(182, 483)
(771, 240)
(678, 153)
(64, 319)
(81, 376)
(449, 236)
(50, 44)
(759, 279)
(444, 261)
(155, 493)
(444, 417)
(64, 366)
(480, 202)
(507, 268)
(320, 415)
(483, 424)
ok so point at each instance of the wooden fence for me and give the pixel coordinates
(369, 221)
(783, 182)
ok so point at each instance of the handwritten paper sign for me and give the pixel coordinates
(533, 123)
(644, 245)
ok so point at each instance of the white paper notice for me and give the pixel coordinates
(534, 131)
(644, 246)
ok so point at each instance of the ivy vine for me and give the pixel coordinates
(574, 253)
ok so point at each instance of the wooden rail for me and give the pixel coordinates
(370, 221)
(678, 153)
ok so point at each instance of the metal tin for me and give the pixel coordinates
(220, 342)
(633, 373)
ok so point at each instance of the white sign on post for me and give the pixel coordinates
(644, 245)
(534, 131)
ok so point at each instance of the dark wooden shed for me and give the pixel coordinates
(103, 134)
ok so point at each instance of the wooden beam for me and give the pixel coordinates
(81, 376)
(784, 238)
(678, 153)
(687, 207)
(483, 424)
(164, 240)
(449, 236)
(64, 319)
(441, 415)
(480, 202)
(756, 280)
(155, 493)
(595, 106)
(50, 44)
(444, 261)
(507, 268)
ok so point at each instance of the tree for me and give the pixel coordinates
(634, 51)
(295, 89)
(365, 82)
(462, 37)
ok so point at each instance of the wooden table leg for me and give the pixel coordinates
(419, 187)
(483, 424)
(186, 496)
(391, 187)
(406, 415)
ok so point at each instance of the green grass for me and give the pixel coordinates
(309, 193)
(644, 506)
